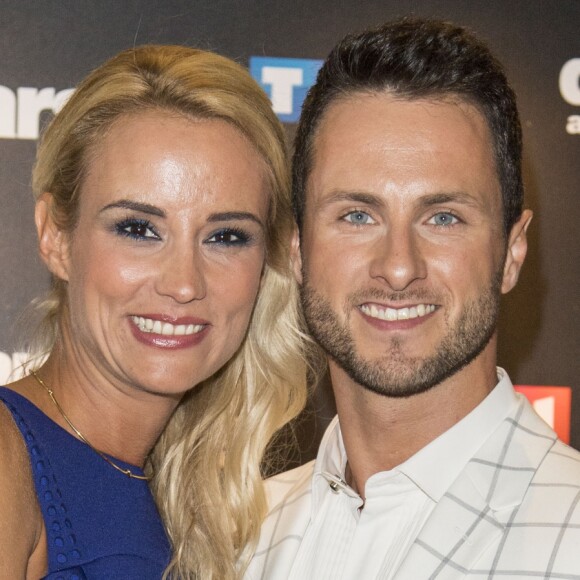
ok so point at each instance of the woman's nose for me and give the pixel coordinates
(182, 276)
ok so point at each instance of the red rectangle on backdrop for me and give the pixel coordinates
(553, 404)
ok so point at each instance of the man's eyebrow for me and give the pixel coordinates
(376, 201)
(352, 196)
(229, 216)
(135, 206)
(448, 197)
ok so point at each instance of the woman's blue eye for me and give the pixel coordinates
(229, 237)
(137, 229)
(358, 218)
(444, 219)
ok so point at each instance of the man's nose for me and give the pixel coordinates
(398, 258)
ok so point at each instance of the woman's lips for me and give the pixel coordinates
(166, 332)
(165, 328)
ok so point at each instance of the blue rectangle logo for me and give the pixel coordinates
(286, 81)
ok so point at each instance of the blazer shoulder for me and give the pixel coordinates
(289, 485)
(561, 464)
(289, 505)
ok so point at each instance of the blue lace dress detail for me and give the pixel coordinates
(100, 524)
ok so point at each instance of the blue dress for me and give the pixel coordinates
(100, 524)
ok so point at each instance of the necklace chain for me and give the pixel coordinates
(126, 472)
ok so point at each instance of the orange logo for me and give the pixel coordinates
(553, 404)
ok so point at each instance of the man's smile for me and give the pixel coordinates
(392, 314)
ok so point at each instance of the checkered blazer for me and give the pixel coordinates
(513, 512)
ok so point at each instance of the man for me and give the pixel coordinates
(408, 197)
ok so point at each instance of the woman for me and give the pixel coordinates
(163, 215)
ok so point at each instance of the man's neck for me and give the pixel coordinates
(381, 432)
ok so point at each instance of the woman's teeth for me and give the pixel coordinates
(166, 328)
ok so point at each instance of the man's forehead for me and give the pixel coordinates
(342, 108)
(360, 118)
(371, 134)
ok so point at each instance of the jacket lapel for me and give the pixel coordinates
(471, 517)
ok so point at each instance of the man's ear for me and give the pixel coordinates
(295, 256)
(516, 251)
(53, 243)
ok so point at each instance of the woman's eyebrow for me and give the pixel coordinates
(229, 216)
(156, 211)
(135, 206)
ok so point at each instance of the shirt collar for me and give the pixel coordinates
(450, 452)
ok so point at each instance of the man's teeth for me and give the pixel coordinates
(392, 314)
(166, 328)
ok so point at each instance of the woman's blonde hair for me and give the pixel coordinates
(207, 480)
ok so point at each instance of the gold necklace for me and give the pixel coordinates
(127, 472)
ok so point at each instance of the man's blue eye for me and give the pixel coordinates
(358, 218)
(137, 229)
(444, 219)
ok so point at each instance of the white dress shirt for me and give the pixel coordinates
(346, 542)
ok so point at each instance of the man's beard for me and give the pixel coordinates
(393, 373)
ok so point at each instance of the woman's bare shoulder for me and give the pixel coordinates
(13, 452)
(21, 525)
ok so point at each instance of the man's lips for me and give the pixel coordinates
(380, 312)
(180, 327)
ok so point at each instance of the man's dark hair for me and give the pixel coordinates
(414, 59)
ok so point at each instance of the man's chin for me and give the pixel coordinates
(399, 378)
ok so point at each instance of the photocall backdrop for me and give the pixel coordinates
(47, 47)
